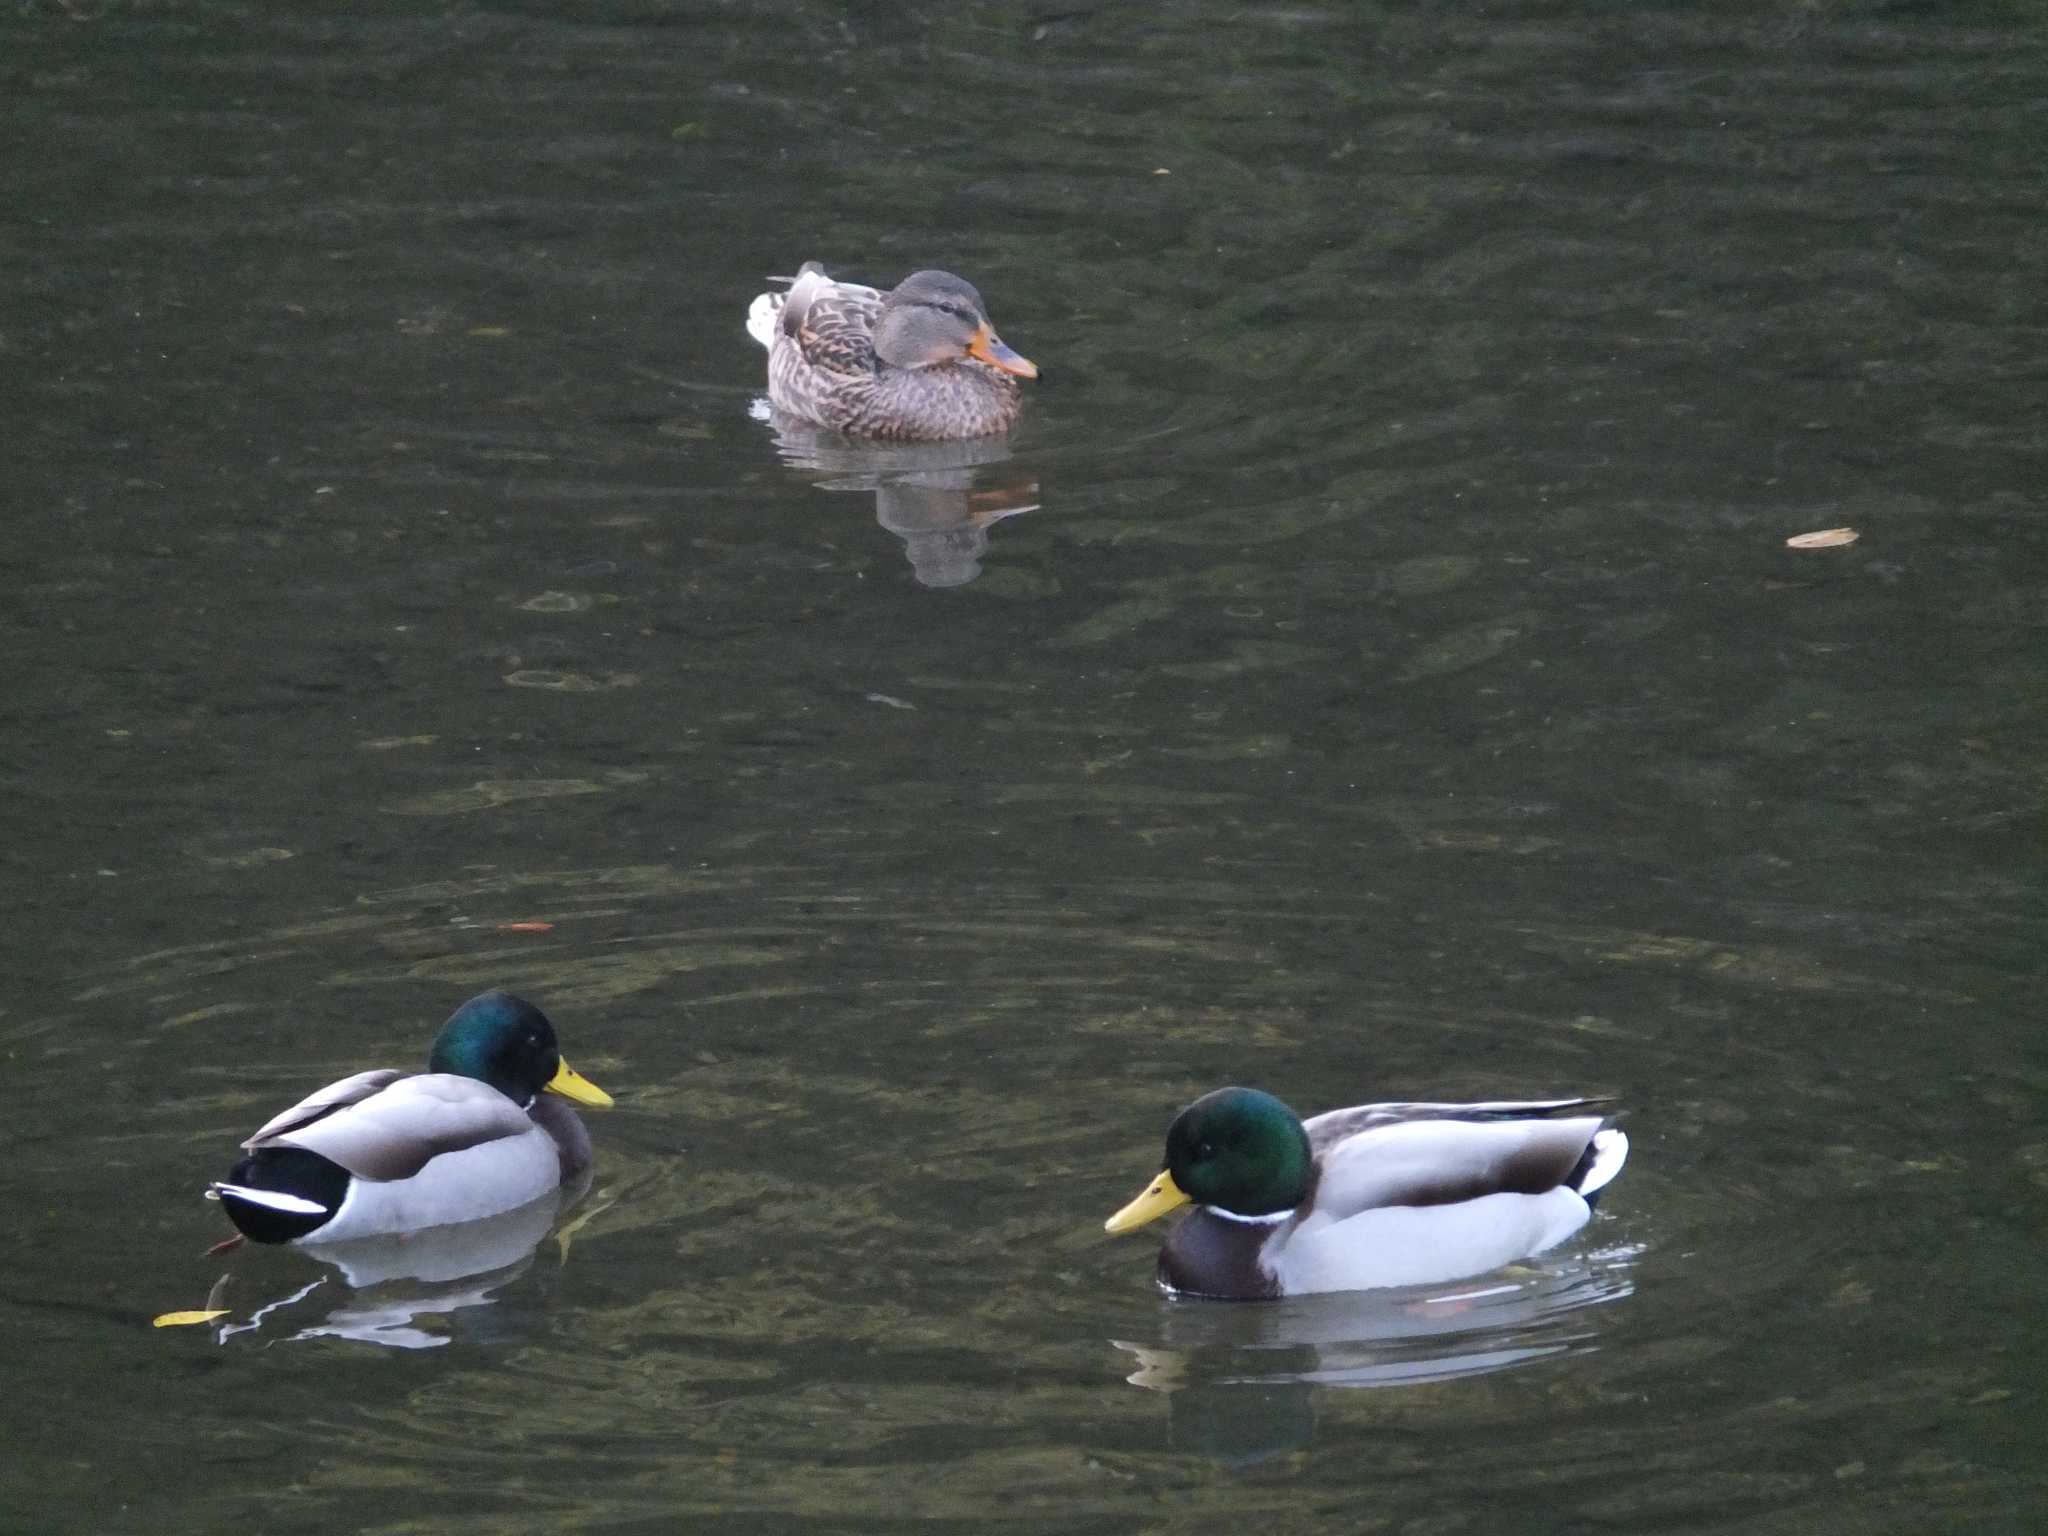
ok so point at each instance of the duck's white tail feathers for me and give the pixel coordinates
(271, 1199)
(1610, 1151)
(772, 310)
(762, 315)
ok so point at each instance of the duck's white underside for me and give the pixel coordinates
(439, 1255)
(476, 1182)
(469, 1185)
(1422, 1244)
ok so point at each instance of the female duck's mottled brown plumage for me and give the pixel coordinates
(919, 363)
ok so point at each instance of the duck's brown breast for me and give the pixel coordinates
(1211, 1255)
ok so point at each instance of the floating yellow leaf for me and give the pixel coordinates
(206, 1314)
(1826, 538)
(568, 1233)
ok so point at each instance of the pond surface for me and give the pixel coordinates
(1374, 670)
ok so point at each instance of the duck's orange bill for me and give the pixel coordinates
(989, 348)
(1161, 1195)
(571, 1084)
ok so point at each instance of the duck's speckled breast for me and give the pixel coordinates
(954, 400)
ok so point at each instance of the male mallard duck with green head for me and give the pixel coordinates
(916, 364)
(384, 1152)
(1383, 1194)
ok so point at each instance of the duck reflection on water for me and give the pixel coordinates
(1241, 1381)
(405, 1291)
(940, 498)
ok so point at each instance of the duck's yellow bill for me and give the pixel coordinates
(1161, 1195)
(571, 1084)
(988, 346)
(187, 1319)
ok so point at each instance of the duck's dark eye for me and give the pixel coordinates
(1206, 1149)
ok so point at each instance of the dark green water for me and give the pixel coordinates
(1376, 670)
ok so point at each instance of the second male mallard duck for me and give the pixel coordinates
(1383, 1194)
(916, 364)
(384, 1152)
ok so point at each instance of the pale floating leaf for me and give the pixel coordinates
(1825, 538)
(564, 1237)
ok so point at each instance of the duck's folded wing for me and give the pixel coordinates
(832, 323)
(323, 1102)
(395, 1131)
(1440, 1159)
(1333, 1126)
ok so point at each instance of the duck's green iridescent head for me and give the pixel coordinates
(505, 1041)
(1237, 1149)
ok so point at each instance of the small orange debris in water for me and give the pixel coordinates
(526, 927)
(1826, 538)
(226, 1245)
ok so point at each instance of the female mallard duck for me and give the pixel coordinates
(916, 364)
(384, 1152)
(1384, 1194)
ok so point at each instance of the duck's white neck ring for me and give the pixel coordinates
(1273, 1220)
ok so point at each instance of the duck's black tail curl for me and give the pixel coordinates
(279, 1194)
